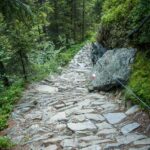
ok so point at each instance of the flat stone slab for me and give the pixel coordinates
(78, 118)
(112, 146)
(142, 142)
(69, 143)
(132, 110)
(129, 127)
(114, 118)
(107, 131)
(126, 139)
(35, 115)
(59, 117)
(88, 125)
(93, 147)
(104, 125)
(89, 138)
(46, 89)
(51, 147)
(142, 148)
(95, 117)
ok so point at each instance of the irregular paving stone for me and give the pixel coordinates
(61, 127)
(96, 103)
(35, 115)
(69, 143)
(84, 133)
(95, 117)
(59, 117)
(55, 139)
(78, 118)
(84, 103)
(59, 106)
(132, 110)
(142, 148)
(104, 125)
(114, 118)
(46, 89)
(129, 127)
(142, 142)
(93, 147)
(88, 125)
(51, 147)
(95, 142)
(84, 111)
(109, 106)
(34, 129)
(89, 138)
(126, 139)
(39, 137)
(107, 131)
(112, 146)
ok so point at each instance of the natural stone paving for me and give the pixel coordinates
(59, 113)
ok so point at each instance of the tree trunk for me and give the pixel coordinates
(56, 17)
(83, 20)
(23, 65)
(3, 75)
(74, 19)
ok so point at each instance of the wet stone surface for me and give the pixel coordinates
(59, 113)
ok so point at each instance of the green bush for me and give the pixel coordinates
(3, 121)
(7, 99)
(140, 80)
(6, 143)
(120, 18)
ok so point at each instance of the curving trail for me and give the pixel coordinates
(59, 113)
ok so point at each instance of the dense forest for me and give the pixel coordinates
(39, 36)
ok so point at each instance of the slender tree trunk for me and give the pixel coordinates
(56, 17)
(71, 19)
(23, 65)
(83, 20)
(39, 30)
(74, 19)
(3, 75)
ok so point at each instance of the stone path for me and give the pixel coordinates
(59, 113)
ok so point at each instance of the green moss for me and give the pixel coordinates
(140, 80)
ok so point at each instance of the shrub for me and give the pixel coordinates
(120, 18)
(140, 80)
(6, 143)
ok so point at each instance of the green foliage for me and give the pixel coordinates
(65, 56)
(140, 80)
(60, 58)
(8, 98)
(3, 121)
(6, 143)
(36, 37)
(120, 18)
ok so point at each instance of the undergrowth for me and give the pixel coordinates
(5, 143)
(140, 80)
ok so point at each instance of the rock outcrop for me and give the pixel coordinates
(112, 67)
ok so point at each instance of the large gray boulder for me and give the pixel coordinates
(97, 51)
(114, 66)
